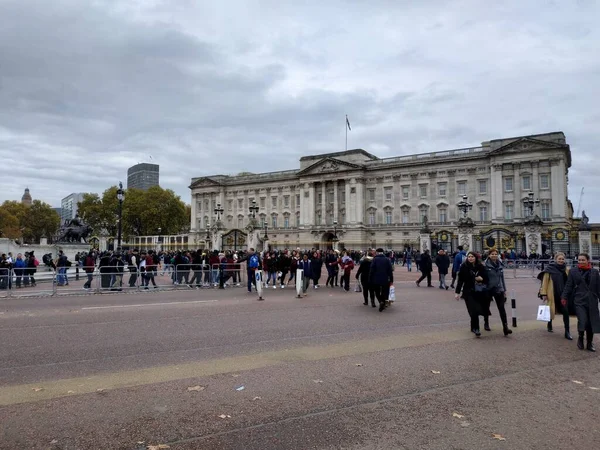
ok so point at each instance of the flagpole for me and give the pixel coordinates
(346, 127)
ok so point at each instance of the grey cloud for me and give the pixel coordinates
(88, 88)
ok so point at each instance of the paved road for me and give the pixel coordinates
(324, 372)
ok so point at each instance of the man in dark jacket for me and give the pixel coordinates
(426, 267)
(442, 261)
(381, 276)
(364, 270)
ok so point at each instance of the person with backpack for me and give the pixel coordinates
(459, 259)
(252, 265)
(19, 266)
(118, 267)
(347, 266)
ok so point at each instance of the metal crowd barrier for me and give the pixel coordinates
(25, 283)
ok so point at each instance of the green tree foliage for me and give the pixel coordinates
(144, 212)
(30, 222)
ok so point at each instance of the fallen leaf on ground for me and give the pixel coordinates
(437, 372)
(464, 424)
(577, 382)
(498, 437)
(158, 447)
(235, 375)
(317, 381)
(70, 392)
(54, 441)
(225, 416)
(359, 365)
(257, 398)
(196, 388)
(457, 415)
(37, 389)
(594, 388)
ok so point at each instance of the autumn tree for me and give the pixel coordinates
(29, 222)
(144, 212)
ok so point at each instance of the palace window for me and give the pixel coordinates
(526, 183)
(229, 205)
(240, 203)
(508, 211)
(286, 201)
(461, 188)
(274, 221)
(297, 200)
(342, 196)
(387, 191)
(423, 210)
(544, 181)
(405, 215)
(262, 202)
(442, 189)
(405, 192)
(423, 190)
(320, 199)
(297, 219)
(342, 217)
(546, 210)
(508, 184)
(443, 215)
(483, 213)
(371, 193)
(274, 202)
(240, 221)
(286, 221)
(371, 217)
(319, 218)
(482, 187)
(388, 217)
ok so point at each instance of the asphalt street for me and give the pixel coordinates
(217, 369)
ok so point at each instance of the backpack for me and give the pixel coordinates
(253, 262)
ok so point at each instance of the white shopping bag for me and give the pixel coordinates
(358, 287)
(543, 313)
(392, 296)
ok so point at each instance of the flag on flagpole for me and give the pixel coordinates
(348, 123)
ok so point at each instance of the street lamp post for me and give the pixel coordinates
(207, 238)
(266, 236)
(464, 206)
(253, 209)
(529, 203)
(120, 198)
(334, 239)
(218, 212)
(159, 239)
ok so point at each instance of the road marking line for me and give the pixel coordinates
(15, 394)
(148, 304)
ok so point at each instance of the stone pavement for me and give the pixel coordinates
(215, 369)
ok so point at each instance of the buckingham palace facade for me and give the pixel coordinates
(358, 200)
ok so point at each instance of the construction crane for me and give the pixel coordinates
(579, 204)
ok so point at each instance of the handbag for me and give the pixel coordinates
(480, 287)
(543, 314)
(392, 296)
(358, 287)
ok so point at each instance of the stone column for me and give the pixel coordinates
(585, 242)
(360, 201)
(311, 204)
(335, 200)
(324, 202)
(425, 242)
(533, 241)
(194, 219)
(351, 202)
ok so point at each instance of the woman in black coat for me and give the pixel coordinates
(472, 281)
(426, 267)
(316, 263)
(583, 285)
(364, 269)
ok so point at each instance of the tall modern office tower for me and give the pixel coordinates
(142, 176)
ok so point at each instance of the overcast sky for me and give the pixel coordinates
(88, 88)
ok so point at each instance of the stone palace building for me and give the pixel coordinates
(354, 199)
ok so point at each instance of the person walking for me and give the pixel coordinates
(472, 281)
(364, 270)
(316, 263)
(252, 265)
(305, 265)
(458, 260)
(442, 261)
(89, 265)
(496, 289)
(381, 276)
(583, 285)
(553, 278)
(426, 267)
(347, 266)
